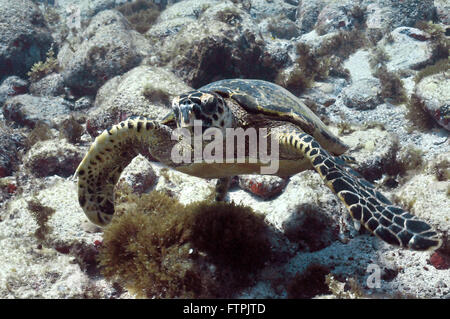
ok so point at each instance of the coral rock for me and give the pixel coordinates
(51, 85)
(52, 157)
(27, 110)
(434, 93)
(12, 86)
(363, 95)
(211, 47)
(139, 175)
(440, 261)
(10, 142)
(390, 14)
(144, 91)
(99, 57)
(337, 16)
(410, 49)
(262, 186)
(307, 14)
(24, 37)
(443, 11)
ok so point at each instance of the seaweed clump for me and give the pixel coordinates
(309, 283)
(157, 247)
(318, 64)
(439, 39)
(308, 68)
(154, 94)
(391, 86)
(397, 164)
(41, 69)
(378, 58)
(71, 130)
(41, 215)
(229, 16)
(231, 234)
(343, 44)
(439, 66)
(417, 114)
(40, 132)
(311, 228)
(399, 161)
(442, 170)
(142, 14)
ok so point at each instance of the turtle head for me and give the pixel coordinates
(207, 107)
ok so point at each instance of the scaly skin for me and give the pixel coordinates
(365, 204)
(107, 157)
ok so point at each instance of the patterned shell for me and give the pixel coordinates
(257, 96)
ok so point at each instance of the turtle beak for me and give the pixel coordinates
(185, 116)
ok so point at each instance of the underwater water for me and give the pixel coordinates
(348, 101)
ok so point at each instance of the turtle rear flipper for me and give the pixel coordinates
(222, 186)
(365, 204)
(107, 157)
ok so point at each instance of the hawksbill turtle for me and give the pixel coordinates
(303, 139)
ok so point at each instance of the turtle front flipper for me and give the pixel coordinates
(365, 204)
(347, 159)
(107, 157)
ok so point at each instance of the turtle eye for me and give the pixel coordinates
(210, 105)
